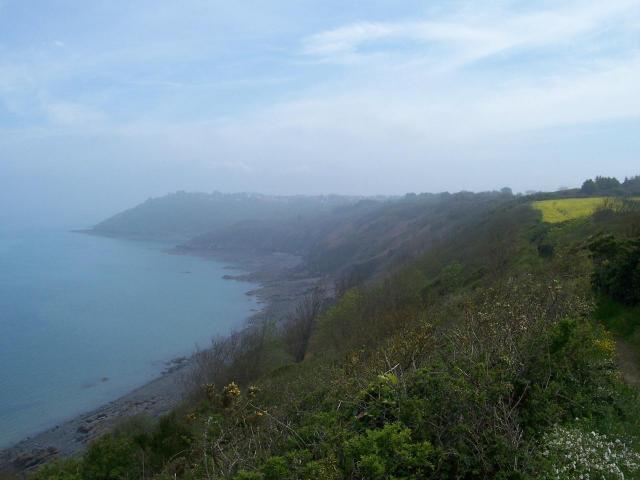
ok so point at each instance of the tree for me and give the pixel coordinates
(632, 185)
(589, 187)
(607, 183)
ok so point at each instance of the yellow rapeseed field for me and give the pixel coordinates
(561, 210)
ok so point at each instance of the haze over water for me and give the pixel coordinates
(76, 310)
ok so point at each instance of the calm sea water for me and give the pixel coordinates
(77, 309)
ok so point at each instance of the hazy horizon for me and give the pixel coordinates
(104, 104)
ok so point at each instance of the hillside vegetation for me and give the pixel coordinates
(362, 239)
(183, 215)
(466, 339)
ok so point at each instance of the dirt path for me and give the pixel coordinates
(629, 362)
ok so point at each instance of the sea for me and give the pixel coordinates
(85, 319)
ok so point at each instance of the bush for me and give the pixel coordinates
(276, 468)
(388, 453)
(244, 475)
(112, 458)
(170, 438)
(377, 405)
(65, 470)
(617, 268)
(575, 378)
(325, 469)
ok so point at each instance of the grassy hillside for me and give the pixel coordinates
(363, 239)
(486, 349)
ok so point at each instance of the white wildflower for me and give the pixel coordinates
(583, 455)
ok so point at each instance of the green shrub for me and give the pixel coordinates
(244, 475)
(112, 458)
(325, 469)
(388, 453)
(462, 407)
(275, 468)
(377, 405)
(63, 470)
(575, 378)
(617, 268)
(170, 438)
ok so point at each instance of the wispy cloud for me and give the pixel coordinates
(473, 35)
(566, 64)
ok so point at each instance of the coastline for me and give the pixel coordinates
(154, 398)
(277, 289)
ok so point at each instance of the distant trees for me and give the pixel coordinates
(611, 186)
(589, 187)
(632, 185)
(605, 185)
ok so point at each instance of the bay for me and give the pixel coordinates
(85, 319)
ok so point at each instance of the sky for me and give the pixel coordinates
(105, 103)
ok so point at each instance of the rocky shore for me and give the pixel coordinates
(153, 399)
(281, 282)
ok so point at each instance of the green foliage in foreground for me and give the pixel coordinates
(486, 403)
(474, 362)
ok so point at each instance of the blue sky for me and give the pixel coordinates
(105, 103)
